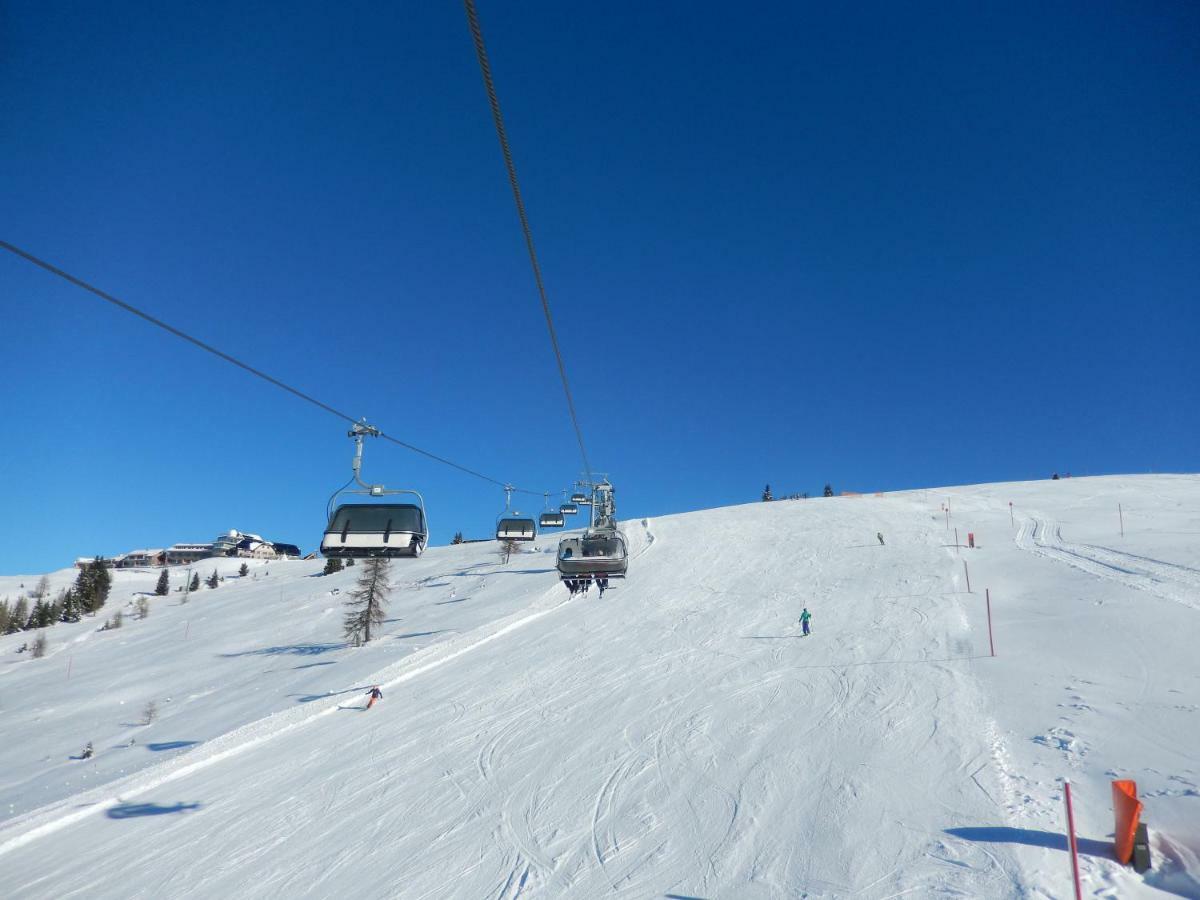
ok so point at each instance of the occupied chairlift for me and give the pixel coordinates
(511, 525)
(361, 530)
(601, 551)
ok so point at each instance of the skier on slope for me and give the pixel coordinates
(375, 694)
(88, 751)
(879, 534)
(805, 617)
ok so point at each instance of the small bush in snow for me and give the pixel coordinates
(213, 580)
(143, 607)
(150, 712)
(244, 570)
(39, 645)
(333, 564)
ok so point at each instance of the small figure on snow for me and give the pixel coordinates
(375, 694)
(805, 618)
(88, 751)
(879, 534)
(602, 583)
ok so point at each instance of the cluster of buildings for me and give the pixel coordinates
(229, 543)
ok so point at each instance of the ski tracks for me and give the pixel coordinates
(1168, 581)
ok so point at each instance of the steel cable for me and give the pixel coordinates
(498, 120)
(258, 373)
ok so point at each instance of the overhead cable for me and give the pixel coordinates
(498, 119)
(258, 373)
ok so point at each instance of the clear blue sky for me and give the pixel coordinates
(893, 246)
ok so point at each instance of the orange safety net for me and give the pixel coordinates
(1128, 810)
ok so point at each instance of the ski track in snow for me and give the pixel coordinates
(1170, 581)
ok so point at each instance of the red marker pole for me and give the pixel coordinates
(991, 641)
(1071, 840)
(967, 572)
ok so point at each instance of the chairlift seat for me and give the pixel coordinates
(551, 520)
(511, 528)
(363, 530)
(598, 553)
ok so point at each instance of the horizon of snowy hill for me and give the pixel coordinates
(677, 738)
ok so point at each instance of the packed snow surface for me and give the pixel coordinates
(677, 738)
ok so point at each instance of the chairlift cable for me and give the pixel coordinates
(505, 150)
(258, 373)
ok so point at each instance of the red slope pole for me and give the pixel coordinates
(1071, 840)
(991, 641)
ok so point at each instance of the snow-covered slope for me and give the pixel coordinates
(677, 738)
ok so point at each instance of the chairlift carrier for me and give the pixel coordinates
(363, 530)
(511, 525)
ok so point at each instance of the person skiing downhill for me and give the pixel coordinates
(375, 694)
(804, 620)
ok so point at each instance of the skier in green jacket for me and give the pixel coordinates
(805, 617)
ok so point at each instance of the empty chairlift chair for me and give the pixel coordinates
(581, 499)
(552, 519)
(385, 528)
(515, 527)
(361, 530)
(569, 509)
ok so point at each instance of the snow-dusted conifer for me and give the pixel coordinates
(19, 615)
(164, 583)
(364, 609)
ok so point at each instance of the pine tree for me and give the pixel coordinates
(244, 570)
(767, 494)
(367, 600)
(5, 616)
(42, 615)
(70, 607)
(19, 616)
(39, 645)
(195, 585)
(458, 538)
(350, 562)
(164, 583)
(507, 549)
(92, 585)
(333, 564)
(213, 580)
(828, 490)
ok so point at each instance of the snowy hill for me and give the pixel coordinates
(677, 738)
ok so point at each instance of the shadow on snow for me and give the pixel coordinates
(136, 810)
(1050, 840)
(295, 649)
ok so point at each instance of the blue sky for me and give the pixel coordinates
(893, 246)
